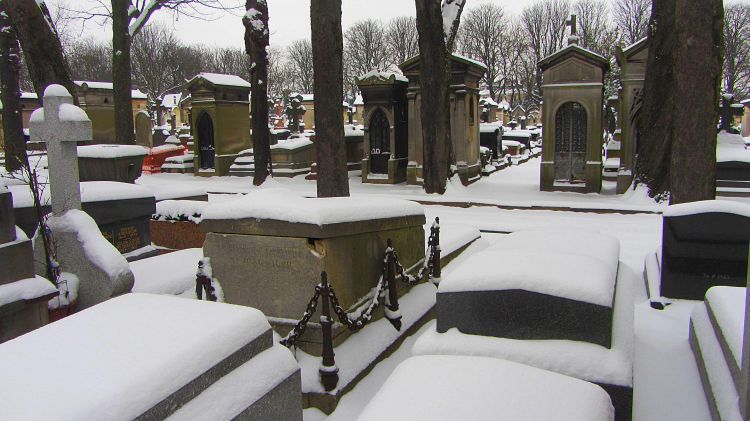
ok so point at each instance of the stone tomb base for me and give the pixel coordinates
(274, 265)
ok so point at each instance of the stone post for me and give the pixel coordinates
(61, 125)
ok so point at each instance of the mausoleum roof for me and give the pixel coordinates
(573, 50)
(414, 61)
(219, 79)
(107, 86)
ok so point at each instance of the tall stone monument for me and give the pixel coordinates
(572, 88)
(464, 116)
(80, 247)
(220, 121)
(386, 127)
(144, 128)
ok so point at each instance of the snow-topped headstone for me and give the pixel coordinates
(61, 125)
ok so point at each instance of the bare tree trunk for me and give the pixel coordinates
(327, 46)
(10, 69)
(698, 66)
(121, 73)
(256, 42)
(40, 44)
(655, 141)
(433, 80)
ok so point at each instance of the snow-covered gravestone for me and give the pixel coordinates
(61, 125)
(81, 248)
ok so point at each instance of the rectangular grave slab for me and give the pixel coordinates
(137, 356)
(121, 163)
(571, 296)
(704, 244)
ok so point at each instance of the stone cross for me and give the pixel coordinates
(573, 37)
(61, 125)
(727, 112)
(294, 111)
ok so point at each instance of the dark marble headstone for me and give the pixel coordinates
(703, 248)
(124, 222)
(490, 139)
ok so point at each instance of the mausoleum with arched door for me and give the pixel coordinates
(220, 121)
(386, 127)
(572, 115)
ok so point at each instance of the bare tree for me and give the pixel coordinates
(680, 108)
(327, 48)
(279, 79)
(41, 47)
(737, 55)
(256, 42)
(544, 22)
(594, 30)
(90, 59)
(128, 19)
(10, 93)
(631, 17)
(152, 59)
(436, 29)
(365, 47)
(483, 32)
(300, 57)
(401, 39)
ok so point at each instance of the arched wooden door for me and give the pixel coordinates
(570, 143)
(380, 143)
(206, 141)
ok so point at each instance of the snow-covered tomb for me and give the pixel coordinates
(441, 387)
(704, 244)
(147, 357)
(269, 247)
(535, 285)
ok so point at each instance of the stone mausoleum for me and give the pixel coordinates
(464, 117)
(572, 114)
(219, 119)
(632, 61)
(386, 127)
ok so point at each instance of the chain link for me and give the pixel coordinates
(378, 297)
(291, 338)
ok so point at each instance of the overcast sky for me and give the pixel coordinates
(289, 19)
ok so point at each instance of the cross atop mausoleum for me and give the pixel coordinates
(573, 37)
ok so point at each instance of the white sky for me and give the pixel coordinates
(289, 19)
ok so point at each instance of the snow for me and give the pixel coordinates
(171, 100)
(727, 304)
(384, 76)
(350, 130)
(171, 273)
(719, 376)
(731, 148)
(511, 143)
(109, 86)
(490, 127)
(577, 265)
(222, 79)
(111, 151)
(517, 133)
(25, 289)
(708, 206)
(69, 112)
(99, 191)
(439, 387)
(56, 90)
(125, 355)
(582, 360)
(243, 386)
(292, 144)
(97, 249)
(179, 210)
(282, 204)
